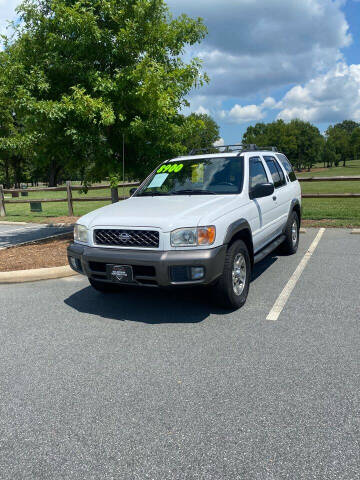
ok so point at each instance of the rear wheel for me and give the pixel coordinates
(233, 286)
(104, 287)
(291, 243)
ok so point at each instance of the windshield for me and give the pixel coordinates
(205, 176)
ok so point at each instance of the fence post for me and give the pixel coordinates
(69, 199)
(2, 202)
(114, 195)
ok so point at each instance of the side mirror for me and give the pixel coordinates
(262, 190)
(132, 191)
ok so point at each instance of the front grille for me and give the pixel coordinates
(127, 238)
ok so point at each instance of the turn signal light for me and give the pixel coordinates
(206, 235)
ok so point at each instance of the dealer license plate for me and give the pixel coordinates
(120, 273)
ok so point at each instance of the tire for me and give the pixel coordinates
(104, 287)
(291, 243)
(233, 295)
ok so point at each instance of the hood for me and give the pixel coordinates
(165, 213)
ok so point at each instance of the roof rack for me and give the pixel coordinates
(230, 148)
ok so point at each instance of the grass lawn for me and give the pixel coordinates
(351, 169)
(332, 211)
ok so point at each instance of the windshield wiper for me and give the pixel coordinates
(152, 194)
(193, 192)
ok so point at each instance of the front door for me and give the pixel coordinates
(263, 217)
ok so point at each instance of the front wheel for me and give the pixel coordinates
(233, 285)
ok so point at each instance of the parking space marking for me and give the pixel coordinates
(289, 287)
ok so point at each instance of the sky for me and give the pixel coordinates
(270, 59)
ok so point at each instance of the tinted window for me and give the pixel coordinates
(287, 165)
(257, 172)
(276, 172)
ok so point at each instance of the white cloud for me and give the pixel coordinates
(202, 110)
(269, 102)
(331, 97)
(328, 98)
(219, 143)
(248, 113)
(254, 46)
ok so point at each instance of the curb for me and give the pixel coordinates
(59, 225)
(21, 276)
(5, 222)
(356, 231)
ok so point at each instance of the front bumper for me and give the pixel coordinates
(151, 268)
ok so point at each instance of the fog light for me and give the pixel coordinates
(75, 264)
(197, 273)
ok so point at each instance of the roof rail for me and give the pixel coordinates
(230, 148)
(217, 149)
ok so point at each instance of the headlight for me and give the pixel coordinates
(81, 234)
(192, 237)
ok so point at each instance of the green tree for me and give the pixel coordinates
(85, 73)
(355, 143)
(309, 143)
(200, 131)
(347, 126)
(15, 143)
(299, 140)
(341, 136)
(328, 155)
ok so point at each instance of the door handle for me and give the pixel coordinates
(274, 198)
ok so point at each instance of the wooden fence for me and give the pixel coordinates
(69, 199)
(330, 179)
(115, 193)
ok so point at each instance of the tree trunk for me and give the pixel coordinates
(53, 175)
(17, 167)
(7, 173)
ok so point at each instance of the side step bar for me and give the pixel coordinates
(269, 248)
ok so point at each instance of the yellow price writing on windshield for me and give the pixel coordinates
(170, 167)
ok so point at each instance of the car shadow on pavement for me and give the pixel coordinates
(153, 305)
(147, 305)
(262, 266)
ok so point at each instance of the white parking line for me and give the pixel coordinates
(289, 287)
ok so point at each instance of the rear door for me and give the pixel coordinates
(263, 218)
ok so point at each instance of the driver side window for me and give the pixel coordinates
(257, 173)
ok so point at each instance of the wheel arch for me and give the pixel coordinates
(240, 230)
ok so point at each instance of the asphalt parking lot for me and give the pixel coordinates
(150, 384)
(12, 234)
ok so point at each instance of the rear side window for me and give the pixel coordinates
(276, 172)
(287, 165)
(257, 173)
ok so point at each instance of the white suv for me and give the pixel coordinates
(197, 220)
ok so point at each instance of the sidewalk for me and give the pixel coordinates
(16, 234)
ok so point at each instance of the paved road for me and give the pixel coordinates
(14, 234)
(159, 385)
